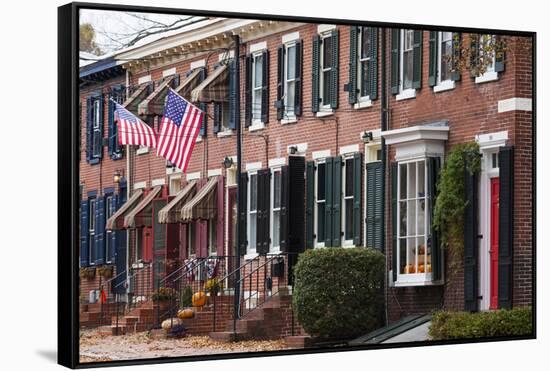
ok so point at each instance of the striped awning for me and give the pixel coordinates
(154, 103)
(116, 221)
(131, 104)
(191, 82)
(203, 205)
(215, 88)
(172, 211)
(143, 207)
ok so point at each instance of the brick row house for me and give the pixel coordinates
(344, 130)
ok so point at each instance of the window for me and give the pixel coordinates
(109, 211)
(445, 56)
(487, 58)
(191, 248)
(139, 244)
(96, 128)
(414, 257)
(225, 110)
(175, 185)
(364, 61)
(347, 178)
(290, 80)
(257, 84)
(320, 193)
(92, 228)
(275, 209)
(326, 67)
(407, 60)
(252, 211)
(212, 237)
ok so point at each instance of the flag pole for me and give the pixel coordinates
(237, 43)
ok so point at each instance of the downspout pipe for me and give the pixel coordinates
(237, 46)
(384, 127)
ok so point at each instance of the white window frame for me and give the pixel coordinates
(317, 243)
(405, 93)
(212, 237)
(171, 187)
(251, 247)
(324, 108)
(137, 242)
(96, 127)
(448, 84)
(490, 74)
(346, 243)
(272, 209)
(411, 279)
(256, 106)
(91, 228)
(290, 114)
(224, 119)
(191, 236)
(362, 98)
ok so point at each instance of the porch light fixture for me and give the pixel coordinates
(293, 150)
(227, 162)
(367, 136)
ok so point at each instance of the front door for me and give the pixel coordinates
(493, 252)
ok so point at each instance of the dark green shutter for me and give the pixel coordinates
(100, 231)
(394, 219)
(395, 40)
(353, 50)
(329, 174)
(89, 127)
(337, 202)
(280, 103)
(310, 202)
(248, 91)
(506, 227)
(243, 212)
(470, 242)
(283, 224)
(433, 65)
(315, 67)
(375, 204)
(434, 240)
(265, 87)
(373, 64)
(298, 79)
(84, 245)
(232, 95)
(357, 181)
(217, 125)
(456, 54)
(263, 233)
(499, 56)
(334, 74)
(417, 59)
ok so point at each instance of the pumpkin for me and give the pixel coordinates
(421, 268)
(170, 322)
(199, 299)
(186, 313)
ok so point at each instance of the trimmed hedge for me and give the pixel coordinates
(338, 293)
(464, 325)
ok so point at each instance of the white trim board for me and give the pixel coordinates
(293, 36)
(197, 64)
(192, 176)
(140, 185)
(144, 79)
(157, 182)
(320, 154)
(515, 104)
(169, 72)
(251, 166)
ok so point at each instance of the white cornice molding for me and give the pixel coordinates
(414, 133)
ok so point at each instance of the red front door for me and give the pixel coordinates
(493, 252)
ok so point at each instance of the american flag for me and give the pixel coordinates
(131, 130)
(179, 130)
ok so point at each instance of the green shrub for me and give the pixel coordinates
(463, 325)
(338, 293)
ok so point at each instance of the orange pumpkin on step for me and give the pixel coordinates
(199, 299)
(186, 313)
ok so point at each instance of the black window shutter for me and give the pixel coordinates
(217, 117)
(89, 127)
(334, 70)
(248, 91)
(298, 79)
(243, 212)
(456, 54)
(120, 253)
(394, 219)
(260, 212)
(353, 51)
(506, 227)
(434, 163)
(295, 189)
(474, 52)
(232, 95)
(417, 59)
(101, 99)
(373, 64)
(202, 131)
(265, 87)
(395, 40)
(470, 242)
(100, 231)
(283, 236)
(433, 70)
(310, 202)
(315, 66)
(329, 174)
(113, 236)
(280, 82)
(111, 134)
(84, 245)
(375, 205)
(263, 240)
(337, 202)
(357, 182)
(499, 56)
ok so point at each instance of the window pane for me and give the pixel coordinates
(421, 210)
(257, 104)
(252, 241)
(403, 218)
(402, 255)
(349, 177)
(321, 222)
(446, 53)
(191, 238)
(349, 219)
(289, 97)
(365, 42)
(276, 228)
(225, 115)
(403, 181)
(291, 62)
(321, 181)
(277, 189)
(411, 218)
(253, 192)
(258, 71)
(412, 180)
(364, 78)
(91, 216)
(421, 246)
(327, 52)
(411, 255)
(407, 69)
(421, 179)
(326, 87)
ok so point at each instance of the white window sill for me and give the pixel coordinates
(251, 255)
(142, 150)
(406, 94)
(324, 113)
(363, 103)
(225, 133)
(256, 126)
(289, 120)
(275, 251)
(444, 86)
(416, 279)
(487, 77)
